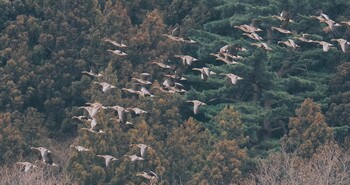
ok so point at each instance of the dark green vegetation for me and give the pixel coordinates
(298, 98)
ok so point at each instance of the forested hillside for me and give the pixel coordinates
(174, 92)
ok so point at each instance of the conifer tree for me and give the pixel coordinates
(308, 130)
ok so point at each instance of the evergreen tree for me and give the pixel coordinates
(308, 130)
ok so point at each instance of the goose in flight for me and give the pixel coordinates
(281, 30)
(133, 89)
(223, 58)
(105, 86)
(145, 92)
(179, 39)
(151, 176)
(144, 79)
(231, 49)
(108, 159)
(186, 59)
(283, 16)
(92, 74)
(81, 118)
(262, 45)
(27, 166)
(142, 147)
(92, 130)
(304, 38)
(117, 52)
(120, 45)
(162, 65)
(290, 43)
(205, 72)
(233, 78)
(121, 113)
(346, 23)
(248, 28)
(325, 45)
(196, 105)
(93, 108)
(137, 110)
(343, 44)
(134, 157)
(322, 18)
(80, 148)
(253, 36)
(44, 154)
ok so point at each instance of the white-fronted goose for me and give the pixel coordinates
(262, 45)
(108, 159)
(281, 30)
(205, 72)
(120, 45)
(80, 148)
(151, 176)
(196, 105)
(233, 78)
(325, 45)
(142, 147)
(105, 86)
(343, 44)
(117, 52)
(186, 59)
(134, 157)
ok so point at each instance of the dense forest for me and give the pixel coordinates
(174, 92)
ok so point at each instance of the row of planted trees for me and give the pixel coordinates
(46, 45)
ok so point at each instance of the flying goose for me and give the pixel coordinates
(121, 113)
(231, 49)
(331, 25)
(290, 43)
(221, 57)
(44, 154)
(145, 92)
(281, 30)
(164, 89)
(27, 166)
(248, 28)
(254, 36)
(133, 89)
(92, 109)
(134, 157)
(143, 79)
(205, 72)
(105, 86)
(92, 74)
(179, 39)
(325, 45)
(108, 159)
(186, 59)
(346, 23)
(322, 17)
(162, 65)
(117, 52)
(121, 45)
(343, 44)
(92, 130)
(81, 118)
(142, 147)
(262, 45)
(151, 176)
(196, 105)
(304, 38)
(176, 76)
(283, 16)
(137, 110)
(80, 148)
(233, 78)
